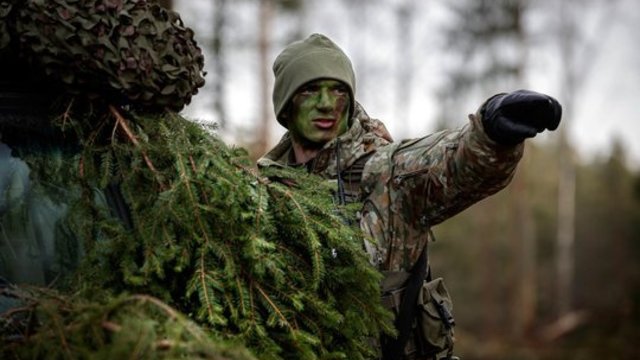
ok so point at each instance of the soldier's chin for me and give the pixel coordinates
(314, 144)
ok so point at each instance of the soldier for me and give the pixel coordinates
(405, 187)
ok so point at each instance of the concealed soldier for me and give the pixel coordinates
(405, 187)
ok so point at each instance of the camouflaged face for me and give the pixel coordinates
(363, 137)
(126, 51)
(409, 186)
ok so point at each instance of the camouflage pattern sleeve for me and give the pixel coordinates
(415, 184)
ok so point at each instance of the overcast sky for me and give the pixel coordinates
(608, 104)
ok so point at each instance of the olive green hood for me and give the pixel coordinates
(316, 57)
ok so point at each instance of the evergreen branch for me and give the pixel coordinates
(195, 171)
(61, 331)
(251, 301)
(171, 312)
(202, 270)
(241, 294)
(123, 124)
(114, 131)
(315, 253)
(244, 228)
(96, 130)
(185, 180)
(259, 211)
(136, 352)
(65, 115)
(274, 307)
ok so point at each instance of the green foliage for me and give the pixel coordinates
(131, 52)
(52, 326)
(250, 258)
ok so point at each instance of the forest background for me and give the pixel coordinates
(550, 267)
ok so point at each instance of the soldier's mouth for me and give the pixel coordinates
(324, 123)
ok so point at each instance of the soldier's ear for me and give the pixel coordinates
(286, 114)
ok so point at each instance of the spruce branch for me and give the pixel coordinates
(193, 202)
(248, 256)
(274, 307)
(312, 240)
(61, 335)
(120, 121)
(66, 115)
(195, 171)
(205, 289)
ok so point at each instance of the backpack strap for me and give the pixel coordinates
(393, 349)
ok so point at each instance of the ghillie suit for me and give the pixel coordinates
(112, 194)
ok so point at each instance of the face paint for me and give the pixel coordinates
(319, 112)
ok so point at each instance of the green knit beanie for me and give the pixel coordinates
(316, 57)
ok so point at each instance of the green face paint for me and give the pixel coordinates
(319, 112)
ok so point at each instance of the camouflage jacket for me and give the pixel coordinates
(406, 187)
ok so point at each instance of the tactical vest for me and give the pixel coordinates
(421, 305)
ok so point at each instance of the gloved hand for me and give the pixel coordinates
(510, 118)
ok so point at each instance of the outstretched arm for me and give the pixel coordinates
(442, 174)
(419, 183)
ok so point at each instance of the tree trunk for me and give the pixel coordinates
(219, 70)
(264, 39)
(524, 247)
(404, 13)
(566, 181)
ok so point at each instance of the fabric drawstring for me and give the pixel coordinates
(341, 196)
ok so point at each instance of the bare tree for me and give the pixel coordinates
(578, 55)
(486, 31)
(566, 182)
(404, 17)
(219, 69)
(267, 14)
(265, 19)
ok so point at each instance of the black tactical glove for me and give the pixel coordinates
(510, 118)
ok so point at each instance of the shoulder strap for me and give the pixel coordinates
(393, 349)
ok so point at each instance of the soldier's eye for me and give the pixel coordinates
(309, 89)
(341, 90)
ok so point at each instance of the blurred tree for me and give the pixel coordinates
(604, 218)
(487, 54)
(605, 320)
(218, 59)
(578, 53)
(405, 12)
(266, 16)
(265, 21)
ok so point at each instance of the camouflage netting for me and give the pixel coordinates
(126, 52)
